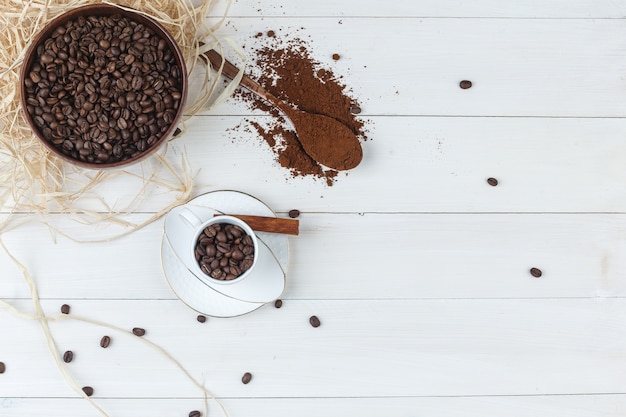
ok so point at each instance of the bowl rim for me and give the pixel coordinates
(103, 9)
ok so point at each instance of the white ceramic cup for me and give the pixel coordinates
(191, 220)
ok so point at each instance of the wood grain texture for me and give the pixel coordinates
(518, 67)
(394, 348)
(352, 256)
(513, 406)
(429, 8)
(417, 268)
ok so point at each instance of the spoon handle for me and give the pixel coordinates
(231, 71)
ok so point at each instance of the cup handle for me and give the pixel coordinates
(190, 218)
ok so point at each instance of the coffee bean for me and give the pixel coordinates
(195, 413)
(315, 322)
(68, 356)
(246, 378)
(46, 58)
(492, 181)
(65, 309)
(3, 367)
(105, 342)
(92, 64)
(138, 331)
(201, 318)
(536, 272)
(355, 109)
(88, 391)
(35, 77)
(278, 303)
(336, 57)
(465, 84)
(294, 213)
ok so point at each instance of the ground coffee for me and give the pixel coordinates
(288, 71)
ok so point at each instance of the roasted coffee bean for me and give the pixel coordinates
(246, 378)
(314, 321)
(536, 272)
(195, 413)
(3, 367)
(65, 309)
(110, 66)
(354, 109)
(465, 84)
(294, 213)
(68, 356)
(105, 342)
(492, 181)
(278, 303)
(201, 318)
(138, 331)
(88, 391)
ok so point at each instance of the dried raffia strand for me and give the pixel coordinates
(44, 322)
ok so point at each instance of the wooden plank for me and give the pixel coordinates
(429, 8)
(431, 165)
(411, 164)
(392, 348)
(548, 406)
(349, 256)
(519, 67)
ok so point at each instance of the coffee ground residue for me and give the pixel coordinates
(288, 71)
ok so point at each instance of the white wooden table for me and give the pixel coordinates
(417, 268)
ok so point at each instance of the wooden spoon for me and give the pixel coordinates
(323, 138)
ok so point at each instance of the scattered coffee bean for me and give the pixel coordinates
(294, 213)
(247, 377)
(354, 109)
(536, 272)
(315, 322)
(492, 181)
(201, 318)
(105, 90)
(68, 356)
(195, 413)
(224, 251)
(88, 391)
(465, 84)
(65, 309)
(336, 57)
(138, 331)
(271, 33)
(278, 303)
(105, 342)
(3, 367)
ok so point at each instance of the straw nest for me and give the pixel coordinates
(34, 181)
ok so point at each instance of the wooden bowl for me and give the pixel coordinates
(103, 10)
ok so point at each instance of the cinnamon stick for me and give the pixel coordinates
(269, 224)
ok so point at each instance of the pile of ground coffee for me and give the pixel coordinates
(288, 71)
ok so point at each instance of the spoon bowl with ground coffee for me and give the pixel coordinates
(326, 140)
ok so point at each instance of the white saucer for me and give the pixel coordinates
(197, 294)
(264, 283)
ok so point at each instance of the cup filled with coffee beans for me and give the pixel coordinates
(224, 248)
(103, 86)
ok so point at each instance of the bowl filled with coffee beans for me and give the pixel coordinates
(103, 86)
